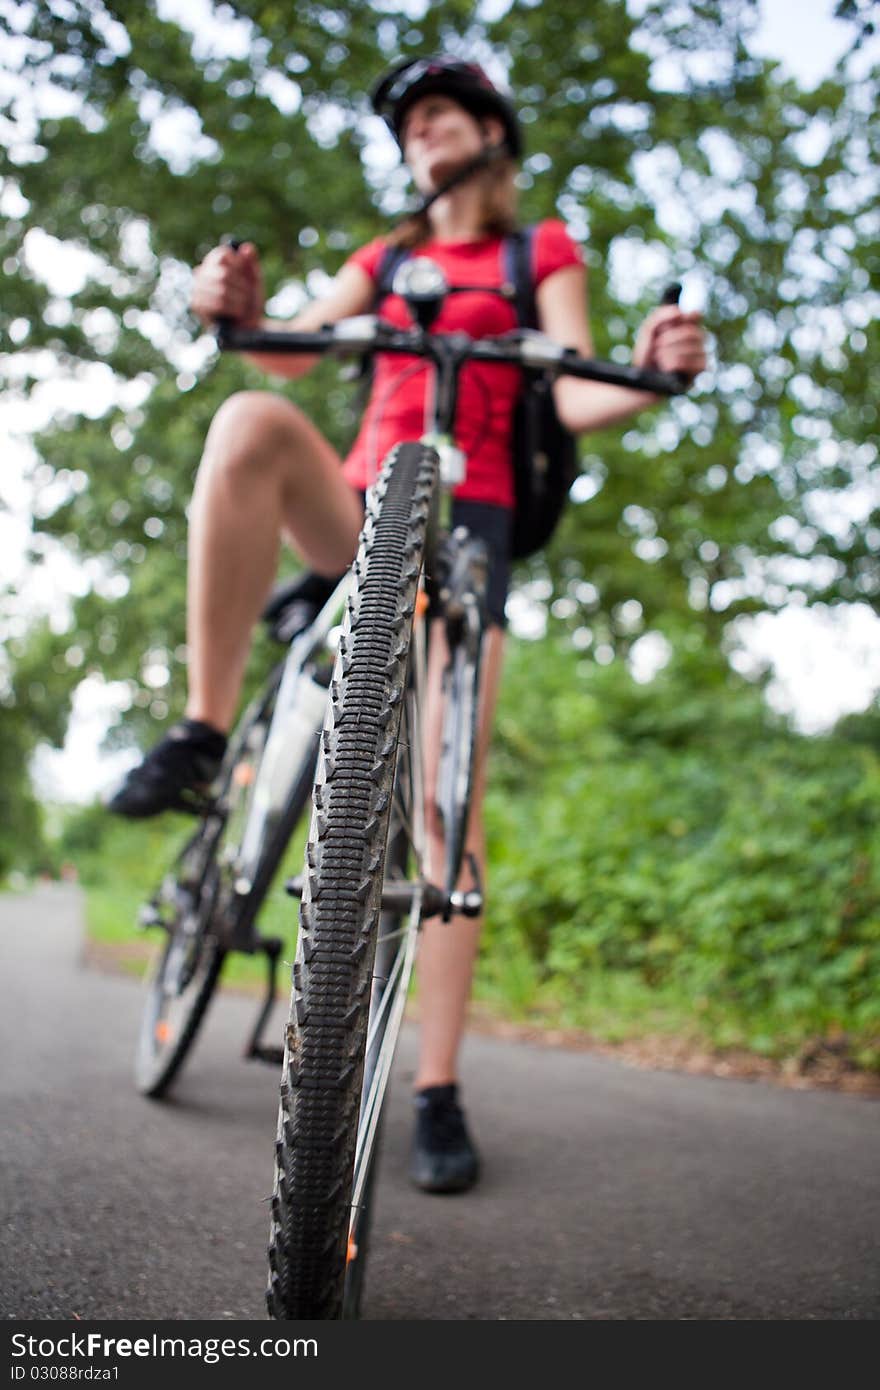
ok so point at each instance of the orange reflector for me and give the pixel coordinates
(163, 1031)
(243, 775)
(351, 1252)
(421, 604)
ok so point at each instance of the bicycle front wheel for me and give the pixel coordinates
(342, 897)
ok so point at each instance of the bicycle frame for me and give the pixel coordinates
(276, 758)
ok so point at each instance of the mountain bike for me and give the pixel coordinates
(364, 888)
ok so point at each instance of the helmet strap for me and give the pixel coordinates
(487, 156)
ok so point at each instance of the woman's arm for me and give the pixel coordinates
(352, 293)
(669, 340)
(229, 284)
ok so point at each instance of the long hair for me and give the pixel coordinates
(498, 208)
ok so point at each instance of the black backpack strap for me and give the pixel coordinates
(391, 258)
(517, 255)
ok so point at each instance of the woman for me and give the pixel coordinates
(267, 472)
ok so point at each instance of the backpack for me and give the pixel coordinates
(545, 461)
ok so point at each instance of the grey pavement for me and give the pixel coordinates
(609, 1192)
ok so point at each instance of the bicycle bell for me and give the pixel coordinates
(421, 282)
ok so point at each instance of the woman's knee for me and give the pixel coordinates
(252, 432)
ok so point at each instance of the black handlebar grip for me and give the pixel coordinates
(222, 326)
(672, 295)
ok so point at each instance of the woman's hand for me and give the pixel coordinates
(670, 340)
(229, 284)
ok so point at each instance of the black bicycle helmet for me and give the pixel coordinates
(465, 83)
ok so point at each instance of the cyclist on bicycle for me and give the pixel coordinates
(268, 473)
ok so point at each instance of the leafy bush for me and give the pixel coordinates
(682, 837)
(120, 864)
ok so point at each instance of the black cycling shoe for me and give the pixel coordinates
(176, 775)
(443, 1157)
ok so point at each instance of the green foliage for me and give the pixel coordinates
(683, 840)
(33, 705)
(105, 850)
(120, 864)
(657, 136)
(22, 845)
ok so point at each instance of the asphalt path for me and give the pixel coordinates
(609, 1192)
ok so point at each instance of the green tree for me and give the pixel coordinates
(34, 698)
(670, 149)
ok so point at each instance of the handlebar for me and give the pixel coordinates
(532, 352)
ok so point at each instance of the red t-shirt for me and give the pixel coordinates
(487, 394)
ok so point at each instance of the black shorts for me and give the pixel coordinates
(495, 526)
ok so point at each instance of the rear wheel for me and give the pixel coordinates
(185, 971)
(312, 1238)
(199, 911)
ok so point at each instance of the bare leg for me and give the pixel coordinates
(266, 470)
(447, 950)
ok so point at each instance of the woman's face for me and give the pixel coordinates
(439, 136)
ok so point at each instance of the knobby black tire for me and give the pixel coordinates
(345, 858)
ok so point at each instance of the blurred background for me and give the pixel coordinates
(683, 818)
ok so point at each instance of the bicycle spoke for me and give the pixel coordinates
(371, 1106)
(390, 936)
(390, 983)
